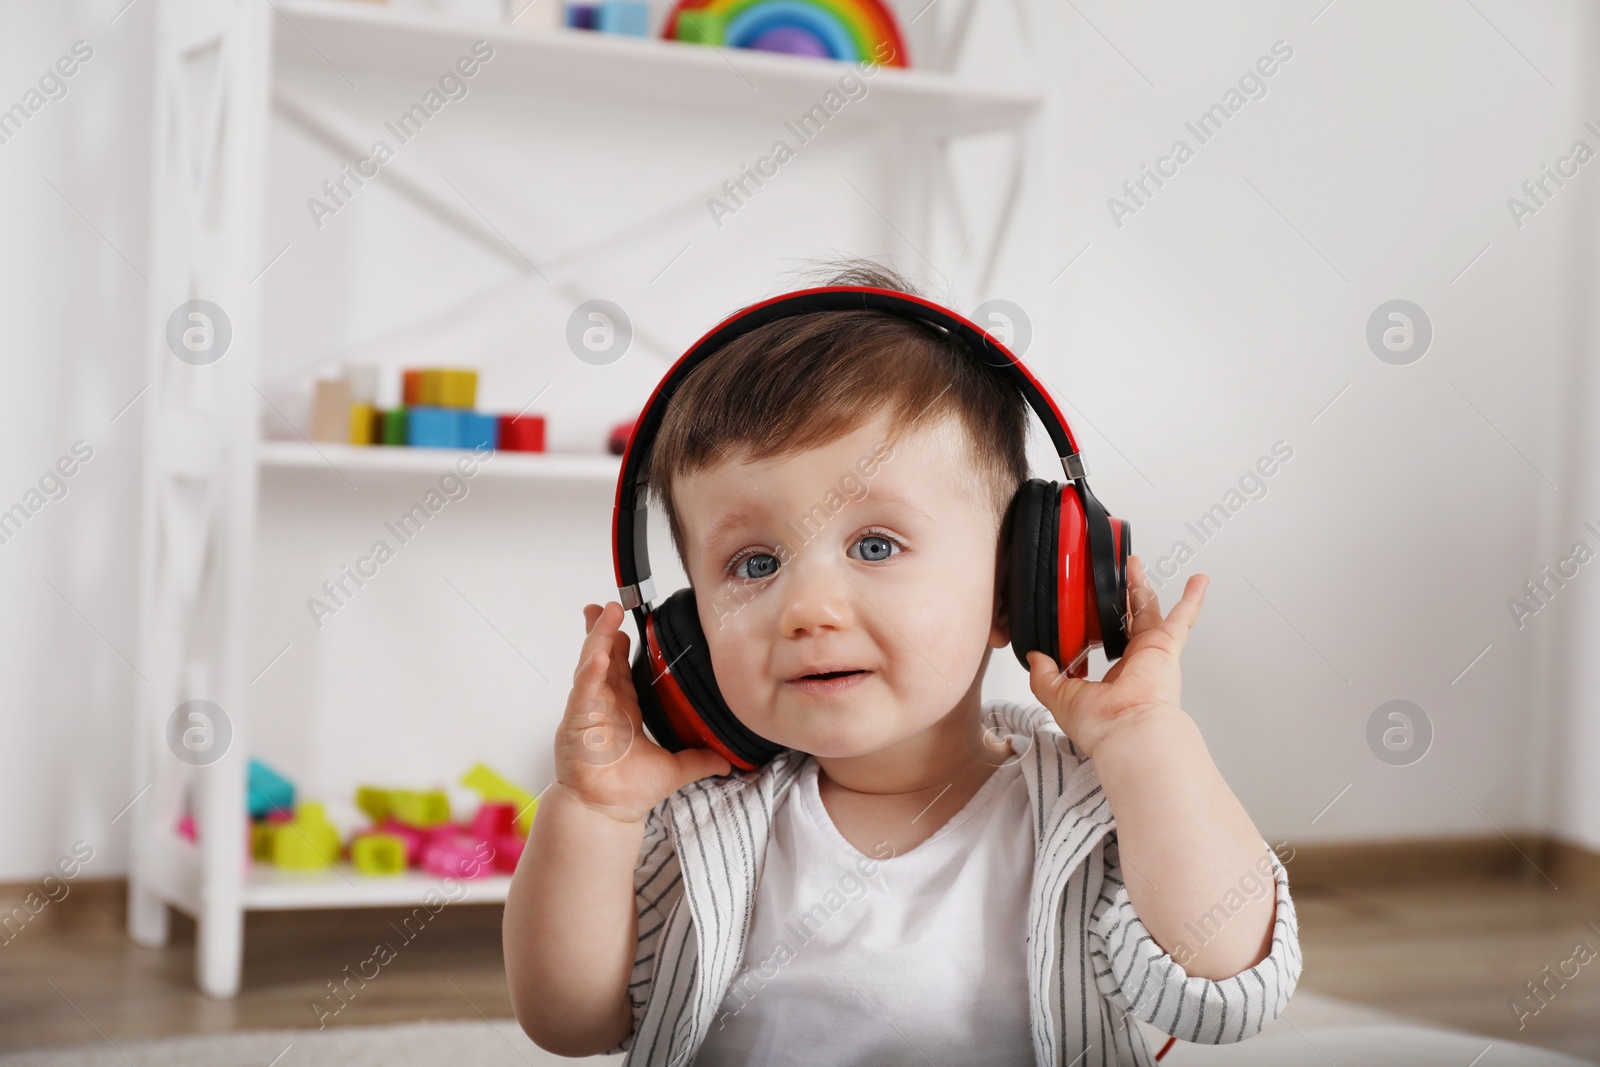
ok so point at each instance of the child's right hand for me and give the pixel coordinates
(603, 755)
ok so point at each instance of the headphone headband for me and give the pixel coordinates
(629, 521)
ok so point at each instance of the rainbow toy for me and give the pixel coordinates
(852, 30)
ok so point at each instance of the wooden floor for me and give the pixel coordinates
(1451, 954)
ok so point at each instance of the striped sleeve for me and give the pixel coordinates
(657, 885)
(1135, 975)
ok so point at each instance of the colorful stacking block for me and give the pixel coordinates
(392, 426)
(330, 411)
(308, 843)
(413, 838)
(521, 433)
(261, 834)
(410, 387)
(581, 16)
(628, 17)
(362, 419)
(478, 430)
(267, 791)
(448, 388)
(379, 853)
(496, 790)
(433, 427)
(495, 824)
(456, 855)
(423, 810)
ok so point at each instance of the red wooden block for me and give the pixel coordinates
(524, 433)
(411, 387)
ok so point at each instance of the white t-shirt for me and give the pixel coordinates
(859, 961)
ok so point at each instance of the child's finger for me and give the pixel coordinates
(1185, 612)
(1143, 604)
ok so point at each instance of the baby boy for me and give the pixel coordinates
(919, 876)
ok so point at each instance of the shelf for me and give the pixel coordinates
(335, 459)
(568, 65)
(268, 888)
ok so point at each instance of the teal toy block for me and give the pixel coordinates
(433, 427)
(269, 791)
(629, 17)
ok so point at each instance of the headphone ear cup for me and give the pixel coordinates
(677, 689)
(1031, 584)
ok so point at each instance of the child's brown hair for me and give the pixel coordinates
(806, 380)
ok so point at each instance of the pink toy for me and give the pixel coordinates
(507, 851)
(455, 855)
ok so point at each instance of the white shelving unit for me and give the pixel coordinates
(218, 68)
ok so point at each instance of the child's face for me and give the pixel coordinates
(848, 557)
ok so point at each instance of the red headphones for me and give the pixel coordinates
(1068, 580)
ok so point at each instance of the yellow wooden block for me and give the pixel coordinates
(448, 388)
(308, 843)
(362, 417)
(378, 854)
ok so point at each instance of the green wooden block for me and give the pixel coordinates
(701, 27)
(394, 426)
(308, 843)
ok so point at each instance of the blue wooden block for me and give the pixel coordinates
(268, 791)
(431, 427)
(478, 428)
(581, 16)
(623, 16)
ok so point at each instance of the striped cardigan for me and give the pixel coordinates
(1091, 962)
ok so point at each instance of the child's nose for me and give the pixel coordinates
(819, 598)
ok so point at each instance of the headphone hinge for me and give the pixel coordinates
(1074, 466)
(633, 596)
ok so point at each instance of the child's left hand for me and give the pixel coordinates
(1145, 677)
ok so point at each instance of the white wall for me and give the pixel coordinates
(1184, 344)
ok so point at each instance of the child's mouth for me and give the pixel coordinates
(828, 681)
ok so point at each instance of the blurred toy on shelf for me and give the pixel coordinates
(617, 442)
(267, 791)
(858, 31)
(410, 829)
(309, 842)
(522, 433)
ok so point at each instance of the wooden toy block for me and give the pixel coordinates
(363, 379)
(479, 430)
(628, 17)
(581, 16)
(496, 790)
(309, 843)
(701, 27)
(393, 426)
(522, 433)
(379, 853)
(330, 411)
(267, 791)
(448, 388)
(535, 14)
(410, 387)
(433, 427)
(362, 419)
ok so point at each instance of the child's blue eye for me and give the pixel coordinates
(756, 566)
(875, 547)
